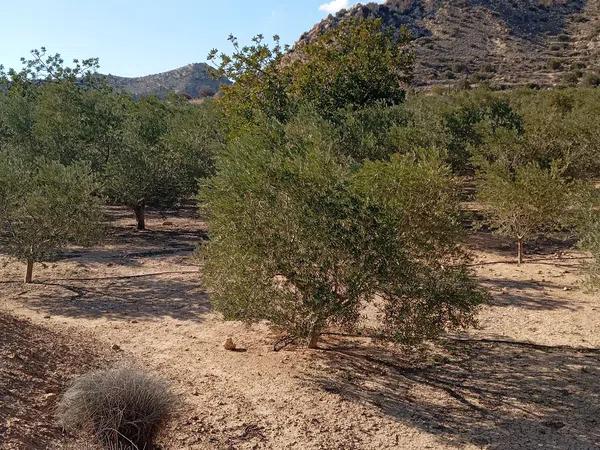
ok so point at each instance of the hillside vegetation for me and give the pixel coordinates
(505, 43)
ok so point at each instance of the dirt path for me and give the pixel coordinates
(142, 292)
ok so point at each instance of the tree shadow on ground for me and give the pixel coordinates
(530, 295)
(543, 249)
(126, 247)
(146, 297)
(497, 394)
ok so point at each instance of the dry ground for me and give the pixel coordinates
(528, 378)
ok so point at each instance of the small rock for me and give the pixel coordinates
(115, 348)
(504, 290)
(566, 289)
(47, 317)
(133, 321)
(229, 345)
(49, 396)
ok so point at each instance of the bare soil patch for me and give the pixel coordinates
(527, 378)
(36, 365)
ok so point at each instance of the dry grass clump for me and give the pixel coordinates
(124, 407)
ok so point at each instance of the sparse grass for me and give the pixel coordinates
(571, 78)
(123, 407)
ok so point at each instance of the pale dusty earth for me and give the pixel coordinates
(527, 378)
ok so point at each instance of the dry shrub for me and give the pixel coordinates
(124, 407)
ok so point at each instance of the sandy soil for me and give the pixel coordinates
(527, 378)
(35, 366)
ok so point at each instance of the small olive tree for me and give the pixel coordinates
(166, 146)
(587, 204)
(44, 207)
(524, 202)
(304, 236)
(591, 243)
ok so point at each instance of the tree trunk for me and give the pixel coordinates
(520, 251)
(313, 338)
(140, 214)
(29, 273)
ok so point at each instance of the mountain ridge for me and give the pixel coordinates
(504, 42)
(192, 80)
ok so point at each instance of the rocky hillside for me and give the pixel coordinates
(506, 42)
(193, 81)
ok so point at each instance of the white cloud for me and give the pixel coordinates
(334, 6)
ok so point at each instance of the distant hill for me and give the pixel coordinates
(193, 81)
(507, 42)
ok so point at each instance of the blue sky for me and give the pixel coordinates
(139, 37)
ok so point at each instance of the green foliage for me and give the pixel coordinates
(63, 120)
(305, 234)
(354, 65)
(465, 125)
(586, 202)
(457, 123)
(479, 127)
(373, 132)
(140, 170)
(165, 148)
(559, 125)
(146, 151)
(259, 83)
(45, 207)
(73, 124)
(41, 66)
(591, 243)
(524, 202)
(193, 137)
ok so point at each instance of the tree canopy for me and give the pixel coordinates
(45, 206)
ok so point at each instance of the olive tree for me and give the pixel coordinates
(61, 113)
(356, 64)
(586, 201)
(524, 202)
(45, 207)
(591, 243)
(165, 147)
(305, 236)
